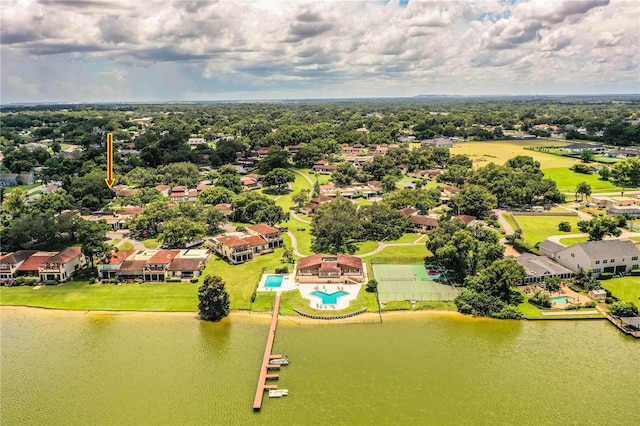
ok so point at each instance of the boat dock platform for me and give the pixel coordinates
(266, 367)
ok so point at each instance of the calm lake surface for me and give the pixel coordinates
(59, 368)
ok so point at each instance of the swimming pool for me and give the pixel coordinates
(273, 281)
(329, 298)
(562, 299)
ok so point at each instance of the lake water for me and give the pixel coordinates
(90, 369)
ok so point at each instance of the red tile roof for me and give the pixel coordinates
(329, 267)
(163, 257)
(32, 263)
(350, 261)
(16, 257)
(408, 211)
(263, 229)
(255, 240)
(131, 211)
(179, 188)
(310, 262)
(66, 255)
(232, 241)
(118, 257)
(424, 220)
(465, 218)
(133, 265)
(317, 261)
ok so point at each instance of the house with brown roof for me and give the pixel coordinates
(234, 248)
(314, 204)
(325, 269)
(269, 233)
(107, 268)
(188, 264)
(466, 219)
(249, 184)
(423, 223)
(30, 267)
(324, 169)
(63, 265)
(10, 263)
(156, 267)
(409, 211)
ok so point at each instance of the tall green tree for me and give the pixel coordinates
(215, 195)
(381, 222)
(93, 237)
(583, 189)
(599, 227)
(278, 179)
(474, 200)
(179, 231)
(213, 299)
(336, 227)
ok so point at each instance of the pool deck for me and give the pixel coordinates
(288, 283)
(343, 302)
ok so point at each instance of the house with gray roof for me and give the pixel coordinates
(614, 256)
(540, 268)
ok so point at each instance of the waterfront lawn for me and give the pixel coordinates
(80, 295)
(435, 305)
(398, 305)
(626, 289)
(567, 181)
(536, 229)
(503, 150)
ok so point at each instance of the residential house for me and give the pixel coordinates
(155, 269)
(409, 211)
(10, 263)
(467, 219)
(164, 190)
(340, 268)
(449, 191)
(611, 256)
(541, 268)
(262, 153)
(12, 179)
(107, 268)
(358, 158)
(249, 184)
(352, 150)
(324, 169)
(440, 142)
(270, 234)
(226, 208)
(195, 140)
(234, 248)
(618, 205)
(30, 267)
(63, 265)
(293, 149)
(423, 223)
(178, 193)
(314, 204)
(188, 264)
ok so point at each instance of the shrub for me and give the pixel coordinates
(564, 226)
(623, 309)
(606, 276)
(575, 288)
(540, 298)
(30, 281)
(635, 272)
(51, 282)
(582, 168)
(283, 270)
(194, 280)
(572, 307)
(92, 280)
(591, 304)
(507, 312)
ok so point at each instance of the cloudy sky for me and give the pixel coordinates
(147, 50)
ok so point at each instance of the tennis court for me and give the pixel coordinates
(409, 282)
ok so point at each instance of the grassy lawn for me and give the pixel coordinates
(173, 297)
(240, 280)
(303, 237)
(322, 179)
(567, 181)
(626, 289)
(151, 243)
(536, 229)
(406, 238)
(127, 245)
(509, 218)
(504, 150)
(572, 241)
(366, 247)
(25, 188)
(441, 306)
(417, 251)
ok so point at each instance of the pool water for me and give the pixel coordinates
(273, 281)
(561, 299)
(329, 298)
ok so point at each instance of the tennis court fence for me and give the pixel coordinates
(384, 260)
(389, 296)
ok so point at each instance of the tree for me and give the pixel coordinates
(623, 309)
(287, 255)
(627, 172)
(474, 200)
(380, 222)
(90, 191)
(587, 155)
(564, 226)
(149, 221)
(277, 158)
(389, 183)
(141, 177)
(229, 178)
(372, 286)
(181, 173)
(214, 218)
(335, 227)
(215, 195)
(584, 189)
(93, 237)
(552, 284)
(345, 174)
(213, 299)
(599, 227)
(300, 198)
(179, 231)
(279, 179)
(254, 207)
(408, 197)
(14, 202)
(604, 173)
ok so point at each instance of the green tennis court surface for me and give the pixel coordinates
(409, 282)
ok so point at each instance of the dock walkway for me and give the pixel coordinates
(266, 367)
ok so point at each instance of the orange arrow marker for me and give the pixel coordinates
(109, 178)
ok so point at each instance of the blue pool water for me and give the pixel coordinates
(273, 281)
(329, 298)
(561, 299)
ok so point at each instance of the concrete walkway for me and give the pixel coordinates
(295, 216)
(294, 245)
(581, 215)
(508, 229)
(307, 178)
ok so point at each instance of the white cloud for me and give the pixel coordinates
(302, 47)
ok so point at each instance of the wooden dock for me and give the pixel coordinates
(266, 367)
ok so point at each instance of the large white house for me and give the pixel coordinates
(614, 256)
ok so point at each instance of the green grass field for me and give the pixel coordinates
(626, 289)
(24, 188)
(536, 229)
(567, 181)
(405, 238)
(483, 153)
(572, 241)
(151, 243)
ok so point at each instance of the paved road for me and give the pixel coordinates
(508, 229)
(295, 216)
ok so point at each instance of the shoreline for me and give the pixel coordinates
(233, 313)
